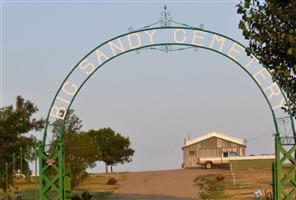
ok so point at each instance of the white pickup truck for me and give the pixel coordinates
(224, 159)
(227, 156)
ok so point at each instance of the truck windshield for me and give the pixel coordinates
(233, 154)
(230, 154)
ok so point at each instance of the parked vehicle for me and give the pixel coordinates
(223, 160)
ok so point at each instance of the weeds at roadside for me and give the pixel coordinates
(209, 187)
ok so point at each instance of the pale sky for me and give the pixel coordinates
(155, 98)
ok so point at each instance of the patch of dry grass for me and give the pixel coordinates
(98, 182)
(246, 182)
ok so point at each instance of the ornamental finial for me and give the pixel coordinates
(165, 17)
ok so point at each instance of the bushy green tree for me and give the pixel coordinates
(121, 151)
(111, 148)
(270, 27)
(15, 122)
(83, 149)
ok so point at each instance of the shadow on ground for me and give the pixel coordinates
(108, 196)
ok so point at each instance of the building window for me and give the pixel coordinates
(192, 153)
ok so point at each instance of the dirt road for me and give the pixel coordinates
(178, 184)
(173, 183)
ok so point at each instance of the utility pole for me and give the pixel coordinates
(6, 179)
(36, 160)
(21, 159)
(28, 168)
(188, 135)
(13, 168)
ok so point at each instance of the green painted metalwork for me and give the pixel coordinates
(277, 184)
(157, 28)
(57, 179)
(286, 167)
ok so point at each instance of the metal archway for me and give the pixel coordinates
(149, 38)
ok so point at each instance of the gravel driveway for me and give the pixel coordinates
(161, 185)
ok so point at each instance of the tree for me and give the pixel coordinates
(79, 153)
(111, 148)
(121, 151)
(270, 27)
(15, 122)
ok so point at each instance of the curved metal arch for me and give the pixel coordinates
(160, 44)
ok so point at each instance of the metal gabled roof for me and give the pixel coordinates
(218, 135)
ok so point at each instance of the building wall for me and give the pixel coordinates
(212, 147)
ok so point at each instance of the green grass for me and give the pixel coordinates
(210, 188)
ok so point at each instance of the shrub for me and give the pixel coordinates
(111, 181)
(220, 178)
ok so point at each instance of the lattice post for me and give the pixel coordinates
(274, 185)
(277, 169)
(51, 169)
(285, 184)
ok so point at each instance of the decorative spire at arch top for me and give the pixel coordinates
(165, 19)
